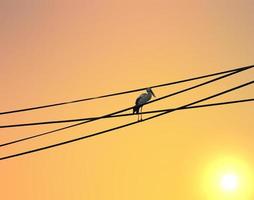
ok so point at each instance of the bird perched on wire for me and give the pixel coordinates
(141, 100)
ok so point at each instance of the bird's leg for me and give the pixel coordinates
(141, 113)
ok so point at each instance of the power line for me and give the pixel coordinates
(130, 114)
(122, 126)
(120, 93)
(163, 97)
(119, 115)
(126, 109)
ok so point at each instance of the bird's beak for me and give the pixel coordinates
(153, 93)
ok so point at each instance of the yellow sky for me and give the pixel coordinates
(53, 51)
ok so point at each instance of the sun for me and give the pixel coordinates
(229, 182)
(227, 177)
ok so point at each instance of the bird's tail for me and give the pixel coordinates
(135, 109)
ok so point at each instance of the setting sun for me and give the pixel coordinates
(229, 182)
(228, 178)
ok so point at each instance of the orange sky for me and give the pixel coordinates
(53, 51)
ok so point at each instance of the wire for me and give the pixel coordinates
(119, 115)
(122, 126)
(121, 93)
(126, 109)
(147, 112)
(123, 110)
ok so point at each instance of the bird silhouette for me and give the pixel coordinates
(141, 100)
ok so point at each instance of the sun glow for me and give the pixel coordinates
(229, 182)
(228, 178)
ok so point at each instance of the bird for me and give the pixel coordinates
(141, 100)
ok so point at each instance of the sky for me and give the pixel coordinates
(59, 50)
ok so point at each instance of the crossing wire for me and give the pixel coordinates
(120, 93)
(147, 112)
(119, 115)
(126, 109)
(123, 126)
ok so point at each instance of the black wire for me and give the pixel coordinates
(123, 110)
(122, 126)
(114, 116)
(147, 112)
(126, 109)
(120, 93)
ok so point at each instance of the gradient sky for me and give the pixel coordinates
(59, 50)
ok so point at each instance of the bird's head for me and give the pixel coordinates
(149, 90)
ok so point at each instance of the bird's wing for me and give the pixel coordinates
(138, 100)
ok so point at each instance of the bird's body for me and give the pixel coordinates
(141, 100)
